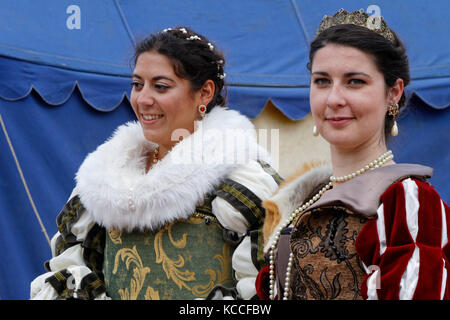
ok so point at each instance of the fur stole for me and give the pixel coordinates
(116, 191)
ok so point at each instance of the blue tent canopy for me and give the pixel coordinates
(65, 71)
(265, 42)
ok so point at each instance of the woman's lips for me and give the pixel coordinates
(339, 121)
(151, 119)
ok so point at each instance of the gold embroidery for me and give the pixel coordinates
(203, 216)
(181, 272)
(218, 276)
(151, 294)
(115, 236)
(171, 267)
(139, 272)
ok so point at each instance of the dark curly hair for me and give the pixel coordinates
(389, 57)
(196, 60)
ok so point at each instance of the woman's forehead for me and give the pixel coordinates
(342, 58)
(151, 64)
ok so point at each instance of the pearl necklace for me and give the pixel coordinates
(387, 156)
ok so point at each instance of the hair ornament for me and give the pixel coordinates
(182, 30)
(194, 37)
(359, 18)
(219, 63)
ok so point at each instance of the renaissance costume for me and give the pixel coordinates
(380, 235)
(191, 223)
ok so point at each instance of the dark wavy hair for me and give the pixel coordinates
(389, 57)
(194, 60)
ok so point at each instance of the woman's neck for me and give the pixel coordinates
(159, 153)
(346, 162)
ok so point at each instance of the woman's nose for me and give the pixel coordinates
(145, 97)
(336, 97)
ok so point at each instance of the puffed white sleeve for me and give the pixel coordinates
(75, 267)
(238, 208)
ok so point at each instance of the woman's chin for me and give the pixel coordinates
(152, 136)
(342, 143)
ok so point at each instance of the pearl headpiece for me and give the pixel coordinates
(209, 44)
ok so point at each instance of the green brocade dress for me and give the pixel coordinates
(184, 259)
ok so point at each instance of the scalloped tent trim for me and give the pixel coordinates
(105, 92)
(56, 85)
(92, 104)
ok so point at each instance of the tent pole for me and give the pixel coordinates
(23, 181)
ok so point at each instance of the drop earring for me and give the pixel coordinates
(202, 110)
(394, 130)
(394, 111)
(315, 131)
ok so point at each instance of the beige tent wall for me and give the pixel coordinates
(296, 144)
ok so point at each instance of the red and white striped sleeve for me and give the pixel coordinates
(405, 249)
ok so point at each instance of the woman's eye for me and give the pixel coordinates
(321, 81)
(356, 82)
(161, 87)
(136, 85)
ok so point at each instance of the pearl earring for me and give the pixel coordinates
(394, 110)
(394, 130)
(315, 131)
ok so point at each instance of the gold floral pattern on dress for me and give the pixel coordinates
(171, 267)
(218, 276)
(151, 294)
(115, 236)
(187, 258)
(139, 272)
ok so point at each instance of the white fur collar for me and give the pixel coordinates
(116, 191)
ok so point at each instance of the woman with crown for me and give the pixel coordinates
(170, 206)
(363, 227)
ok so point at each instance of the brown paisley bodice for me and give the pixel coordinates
(326, 265)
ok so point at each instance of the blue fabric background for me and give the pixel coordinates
(64, 91)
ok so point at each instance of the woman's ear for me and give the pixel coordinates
(207, 92)
(395, 92)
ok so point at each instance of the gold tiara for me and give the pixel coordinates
(359, 18)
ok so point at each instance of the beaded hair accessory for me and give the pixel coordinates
(358, 18)
(219, 63)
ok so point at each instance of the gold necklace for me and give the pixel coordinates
(385, 157)
(155, 155)
(154, 160)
